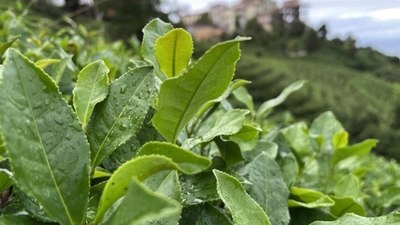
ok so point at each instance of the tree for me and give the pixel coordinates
(255, 30)
(278, 24)
(350, 46)
(311, 40)
(322, 32)
(125, 18)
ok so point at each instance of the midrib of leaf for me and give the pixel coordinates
(345, 209)
(91, 91)
(42, 148)
(174, 55)
(112, 126)
(194, 93)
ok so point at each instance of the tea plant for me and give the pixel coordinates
(162, 144)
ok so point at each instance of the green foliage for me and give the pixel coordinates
(243, 208)
(46, 131)
(156, 146)
(180, 98)
(173, 59)
(91, 88)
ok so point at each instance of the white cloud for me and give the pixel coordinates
(386, 14)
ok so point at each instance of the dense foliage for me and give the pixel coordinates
(92, 133)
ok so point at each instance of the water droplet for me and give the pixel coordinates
(122, 90)
(59, 121)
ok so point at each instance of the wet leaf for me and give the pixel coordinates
(180, 98)
(120, 116)
(268, 188)
(144, 166)
(243, 208)
(42, 129)
(352, 219)
(148, 206)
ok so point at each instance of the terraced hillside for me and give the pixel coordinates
(365, 103)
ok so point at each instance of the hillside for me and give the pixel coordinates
(365, 99)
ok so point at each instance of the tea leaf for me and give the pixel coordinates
(151, 32)
(48, 151)
(353, 219)
(181, 97)
(91, 88)
(267, 106)
(147, 165)
(148, 206)
(173, 51)
(120, 116)
(307, 198)
(243, 208)
(269, 189)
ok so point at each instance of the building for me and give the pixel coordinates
(232, 19)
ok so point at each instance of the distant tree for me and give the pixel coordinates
(205, 19)
(278, 24)
(255, 30)
(322, 32)
(350, 46)
(311, 40)
(296, 28)
(127, 17)
(72, 5)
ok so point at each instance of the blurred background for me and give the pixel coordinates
(348, 50)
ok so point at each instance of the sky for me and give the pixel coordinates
(374, 23)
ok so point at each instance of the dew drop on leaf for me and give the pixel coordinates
(122, 90)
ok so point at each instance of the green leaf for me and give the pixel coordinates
(48, 151)
(298, 138)
(360, 149)
(230, 151)
(143, 167)
(18, 220)
(199, 188)
(345, 205)
(268, 188)
(5, 180)
(4, 46)
(91, 88)
(267, 106)
(267, 147)
(173, 51)
(148, 206)
(340, 139)
(326, 125)
(247, 137)
(60, 68)
(43, 63)
(226, 124)
(170, 186)
(180, 98)
(151, 32)
(204, 214)
(307, 198)
(212, 215)
(243, 96)
(390, 219)
(187, 160)
(120, 116)
(244, 210)
(347, 186)
(232, 86)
